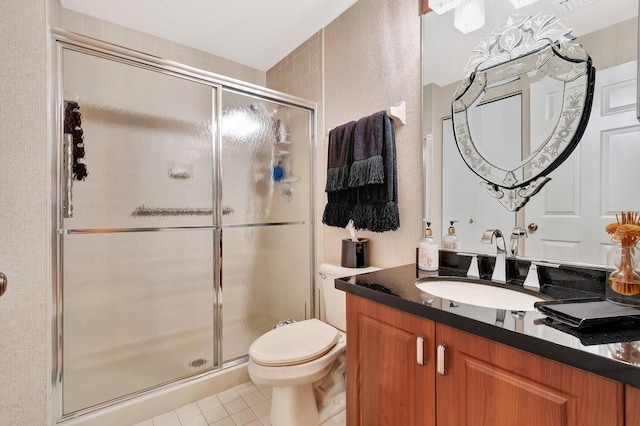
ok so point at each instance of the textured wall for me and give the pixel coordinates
(372, 61)
(24, 214)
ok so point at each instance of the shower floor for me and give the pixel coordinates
(242, 405)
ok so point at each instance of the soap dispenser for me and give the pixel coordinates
(450, 240)
(428, 251)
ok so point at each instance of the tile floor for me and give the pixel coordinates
(243, 405)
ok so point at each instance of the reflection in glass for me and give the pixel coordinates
(521, 48)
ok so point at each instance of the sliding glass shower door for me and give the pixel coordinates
(183, 225)
(138, 242)
(266, 217)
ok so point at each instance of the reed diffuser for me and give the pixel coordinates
(624, 280)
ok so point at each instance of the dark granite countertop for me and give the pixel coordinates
(598, 350)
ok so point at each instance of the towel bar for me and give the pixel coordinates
(396, 112)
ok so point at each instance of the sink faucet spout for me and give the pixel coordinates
(500, 269)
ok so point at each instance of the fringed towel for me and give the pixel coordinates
(339, 159)
(73, 126)
(376, 208)
(373, 204)
(368, 141)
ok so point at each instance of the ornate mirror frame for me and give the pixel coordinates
(525, 45)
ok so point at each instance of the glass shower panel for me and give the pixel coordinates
(266, 278)
(147, 140)
(266, 161)
(138, 312)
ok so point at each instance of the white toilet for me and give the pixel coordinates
(304, 361)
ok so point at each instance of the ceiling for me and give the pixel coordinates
(255, 33)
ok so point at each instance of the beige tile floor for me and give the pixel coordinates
(243, 405)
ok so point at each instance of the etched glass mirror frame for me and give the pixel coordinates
(522, 45)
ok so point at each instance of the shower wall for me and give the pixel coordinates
(141, 303)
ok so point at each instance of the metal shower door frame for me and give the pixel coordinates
(62, 40)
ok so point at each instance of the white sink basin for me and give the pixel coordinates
(478, 294)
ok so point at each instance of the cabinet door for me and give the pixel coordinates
(632, 406)
(490, 384)
(386, 386)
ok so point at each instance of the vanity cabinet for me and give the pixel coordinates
(631, 406)
(485, 384)
(490, 384)
(386, 386)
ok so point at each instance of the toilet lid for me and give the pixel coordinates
(295, 343)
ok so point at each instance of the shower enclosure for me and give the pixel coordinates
(183, 221)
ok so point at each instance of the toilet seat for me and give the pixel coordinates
(294, 344)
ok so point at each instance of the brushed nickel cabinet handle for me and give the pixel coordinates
(420, 350)
(441, 357)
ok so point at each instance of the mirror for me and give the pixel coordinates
(533, 54)
(581, 188)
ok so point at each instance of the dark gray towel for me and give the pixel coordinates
(368, 141)
(340, 156)
(374, 206)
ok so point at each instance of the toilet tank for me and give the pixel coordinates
(333, 306)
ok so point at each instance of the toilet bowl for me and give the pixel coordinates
(304, 361)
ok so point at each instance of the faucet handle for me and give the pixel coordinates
(517, 233)
(487, 236)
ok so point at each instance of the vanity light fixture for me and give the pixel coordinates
(521, 3)
(443, 6)
(469, 16)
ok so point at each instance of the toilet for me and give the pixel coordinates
(305, 361)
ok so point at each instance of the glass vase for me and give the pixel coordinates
(623, 284)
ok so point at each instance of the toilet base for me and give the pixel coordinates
(289, 404)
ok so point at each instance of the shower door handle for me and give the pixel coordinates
(67, 193)
(226, 210)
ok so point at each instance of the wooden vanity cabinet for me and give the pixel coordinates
(490, 384)
(386, 386)
(486, 383)
(632, 406)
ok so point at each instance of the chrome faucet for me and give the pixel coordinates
(517, 233)
(500, 269)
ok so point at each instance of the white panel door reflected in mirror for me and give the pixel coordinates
(463, 198)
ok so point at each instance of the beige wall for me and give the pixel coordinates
(371, 61)
(24, 214)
